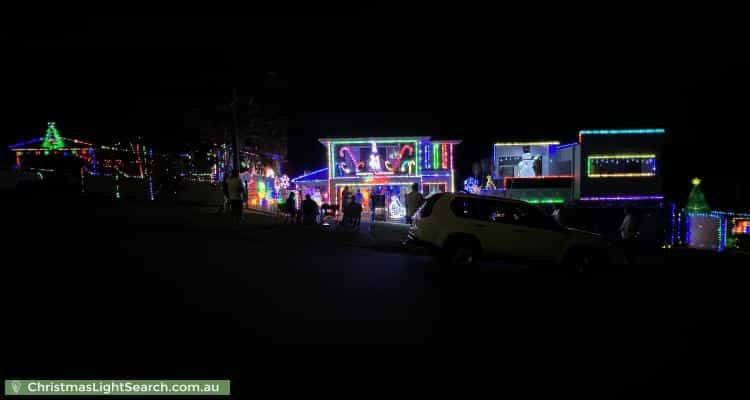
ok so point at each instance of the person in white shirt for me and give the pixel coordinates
(556, 213)
(629, 235)
(629, 225)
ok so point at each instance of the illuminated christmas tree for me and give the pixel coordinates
(696, 201)
(52, 140)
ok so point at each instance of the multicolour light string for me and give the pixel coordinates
(591, 159)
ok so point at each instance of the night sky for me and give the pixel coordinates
(476, 75)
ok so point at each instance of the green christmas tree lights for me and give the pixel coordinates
(696, 201)
(53, 140)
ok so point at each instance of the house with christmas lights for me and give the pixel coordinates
(602, 166)
(314, 183)
(55, 153)
(381, 171)
(699, 226)
(117, 170)
(200, 168)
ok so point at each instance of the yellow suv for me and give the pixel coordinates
(462, 227)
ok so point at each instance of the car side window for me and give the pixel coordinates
(464, 207)
(496, 211)
(533, 217)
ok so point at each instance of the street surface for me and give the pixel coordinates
(101, 288)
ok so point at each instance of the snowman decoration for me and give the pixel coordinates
(374, 158)
(526, 165)
(396, 210)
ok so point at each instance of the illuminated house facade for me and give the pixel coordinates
(700, 227)
(119, 170)
(387, 167)
(624, 164)
(537, 172)
(55, 153)
(602, 166)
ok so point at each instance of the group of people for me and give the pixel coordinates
(307, 214)
(352, 207)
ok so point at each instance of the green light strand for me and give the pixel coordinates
(544, 201)
(435, 156)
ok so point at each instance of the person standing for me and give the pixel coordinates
(309, 210)
(629, 234)
(346, 196)
(291, 207)
(234, 192)
(356, 213)
(414, 200)
(556, 213)
(225, 206)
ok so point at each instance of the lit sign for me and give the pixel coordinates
(374, 158)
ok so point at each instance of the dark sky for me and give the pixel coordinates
(479, 75)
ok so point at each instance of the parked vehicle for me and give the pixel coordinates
(460, 228)
(13, 179)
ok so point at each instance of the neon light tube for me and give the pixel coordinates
(555, 142)
(622, 198)
(622, 132)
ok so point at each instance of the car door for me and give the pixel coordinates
(498, 235)
(465, 209)
(536, 235)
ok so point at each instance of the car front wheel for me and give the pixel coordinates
(459, 252)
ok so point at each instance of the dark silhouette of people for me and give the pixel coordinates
(309, 211)
(356, 213)
(352, 213)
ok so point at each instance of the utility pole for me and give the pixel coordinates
(236, 146)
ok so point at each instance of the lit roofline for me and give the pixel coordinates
(17, 146)
(547, 143)
(651, 131)
(311, 173)
(391, 139)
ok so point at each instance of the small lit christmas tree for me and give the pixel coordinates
(696, 201)
(52, 140)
